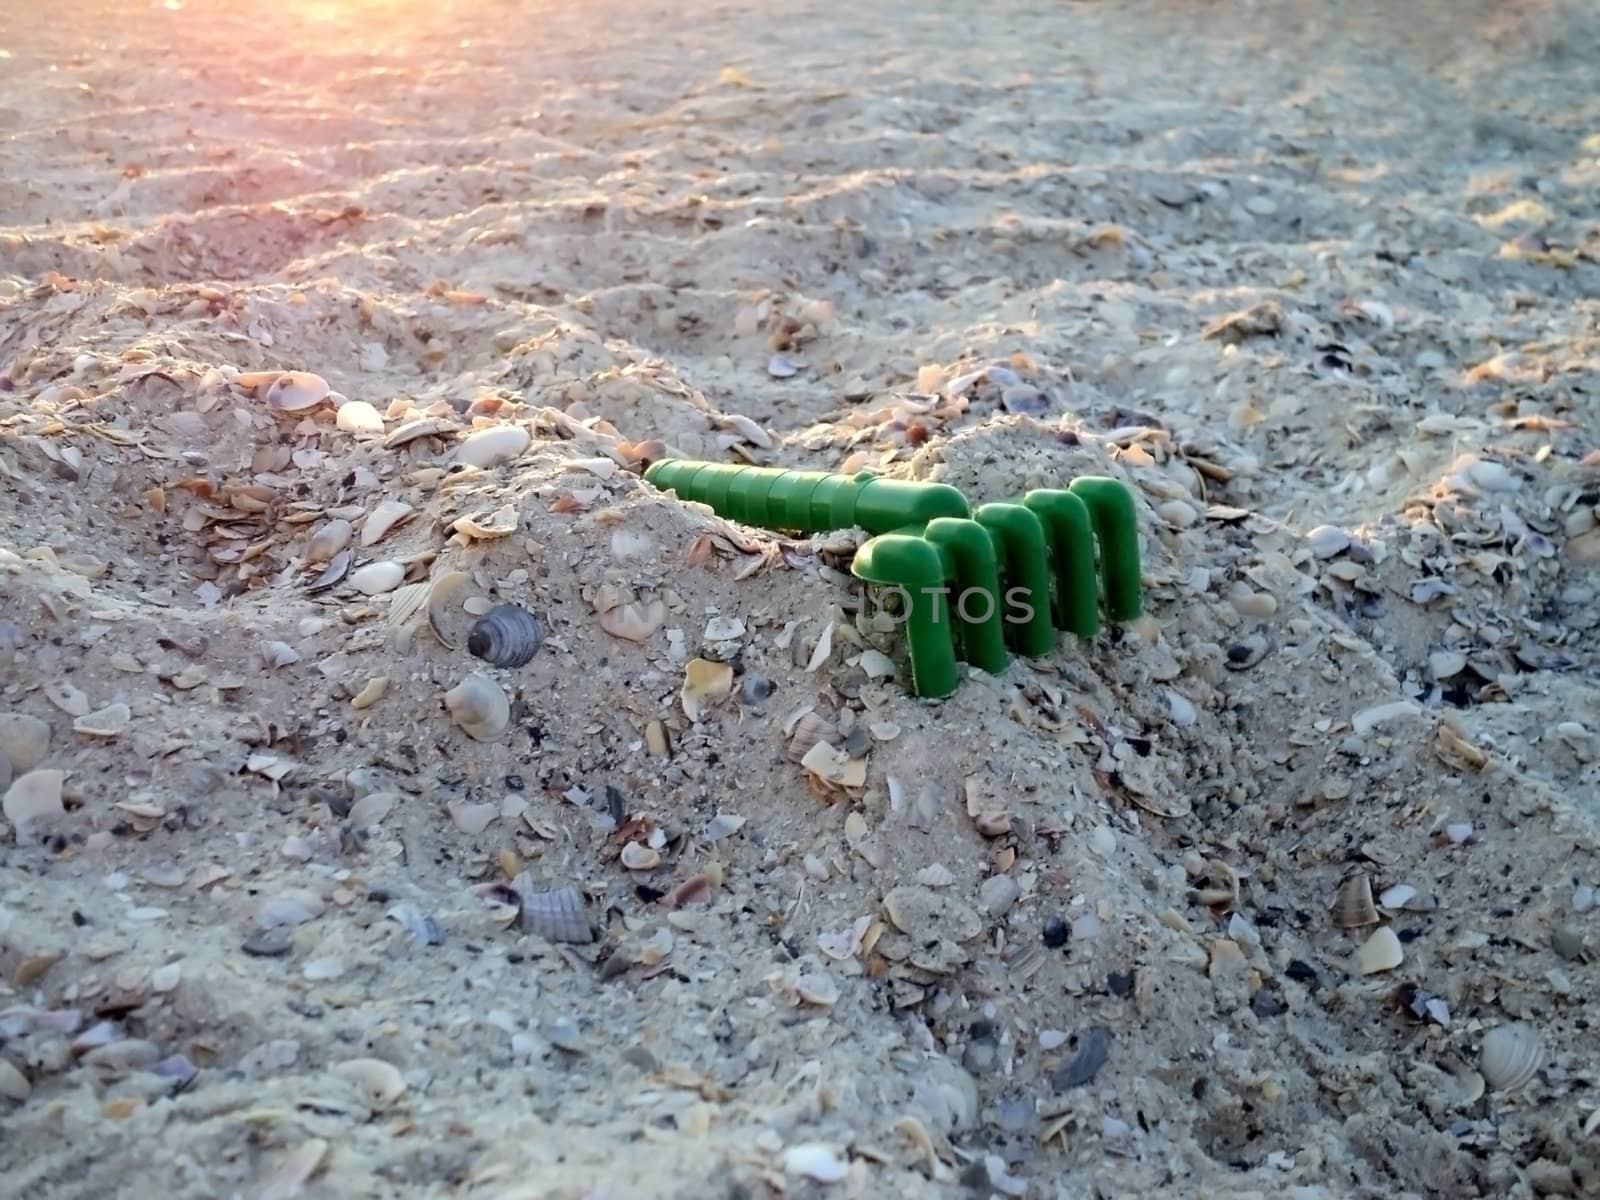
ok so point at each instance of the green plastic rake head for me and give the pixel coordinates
(975, 584)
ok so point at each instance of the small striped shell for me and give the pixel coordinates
(557, 915)
(506, 636)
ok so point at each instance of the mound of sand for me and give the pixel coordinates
(1286, 890)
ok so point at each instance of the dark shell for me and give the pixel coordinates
(506, 636)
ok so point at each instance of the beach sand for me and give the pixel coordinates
(1285, 890)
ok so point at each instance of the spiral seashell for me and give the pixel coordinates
(506, 636)
(479, 706)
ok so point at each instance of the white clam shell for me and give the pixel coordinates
(491, 447)
(377, 577)
(420, 428)
(1380, 952)
(479, 707)
(383, 518)
(328, 541)
(1510, 1056)
(297, 391)
(636, 856)
(379, 1082)
(24, 740)
(111, 721)
(357, 416)
(33, 799)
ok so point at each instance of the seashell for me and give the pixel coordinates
(501, 900)
(724, 629)
(1510, 1056)
(808, 731)
(417, 923)
(833, 766)
(1353, 907)
(1380, 952)
(1325, 541)
(491, 447)
(110, 721)
(371, 809)
(380, 1082)
(634, 622)
(286, 1182)
(68, 698)
(636, 856)
(357, 416)
(404, 603)
(600, 468)
(297, 392)
(328, 541)
(479, 706)
(1400, 895)
(275, 654)
(815, 1161)
(14, 1084)
(422, 427)
(24, 741)
(473, 819)
(447, 615)
(33, 799)
(556, 916)
(332, 574)
(375, 578)
(371, 693)
(382, 519)
(505, 636)
(704, 683)
(482, 527)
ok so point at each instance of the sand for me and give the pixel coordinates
(1285, 890)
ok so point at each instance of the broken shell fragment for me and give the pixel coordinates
(297, 392)
(1511, 1055)
(420, 428)
(483, 527)
(24, 740)
(479, 706)
(634, 622)
(491, 447)
(383, 518)
(110, 721)
(447, 614)
(833, 766)
(704, 683)
(375, 578)
(32, 800)
(556, 915)
(372, 693)
(66, 696)
(328, 541)
(334, 573)
(506, 636)
(636, 856)
(1380, 952)
(380, 1082)
(1353, 908)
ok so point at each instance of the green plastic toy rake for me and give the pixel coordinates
(975, 584)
